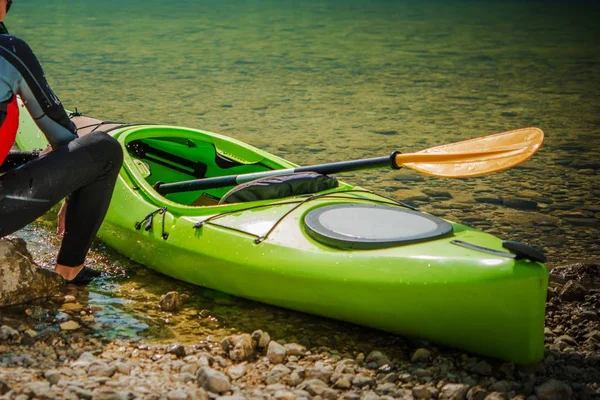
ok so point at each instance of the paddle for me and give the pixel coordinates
(467, 158)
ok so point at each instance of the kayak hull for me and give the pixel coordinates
(433, 290)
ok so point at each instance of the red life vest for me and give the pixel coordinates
(8, 130)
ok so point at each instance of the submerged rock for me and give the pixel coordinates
(21, 280)
(553, 390)
(170, 302)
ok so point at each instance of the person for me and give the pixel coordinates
(82, 169)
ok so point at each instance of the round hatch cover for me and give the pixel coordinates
(371, 226)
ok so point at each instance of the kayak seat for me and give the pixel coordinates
(277, 187)
(144, 151)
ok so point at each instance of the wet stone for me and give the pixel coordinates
(52, 376)
(594, 335)
(481, 368)
(369, 396)
(23, 280)
(360, 381)
(313, 386)
(284, 395)
(454, 391)
(477, 393)
(37, 390)
(422, 372)
(239, 347)
(177, 395)
(69, 326)
(170, 302)
(101, 370)
(177, 350)
(69, 298)
(8, 334)
(237, 371)
(320, 372)
(262, 339)
(377, 359)
(520, 204)
(330, 394)
(587, 222)
(420, 355)
(294, 349)
(4, 387)
(386, 388)
(588, 315)
(437, 194)
(343, 383)
(275, 377)
(500, 386)
(489, 200)
(391, 377)
(584, 164)
(424, 392)
(553, 390)
(295, 378)
(573, 291)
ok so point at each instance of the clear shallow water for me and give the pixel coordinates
(320, 81)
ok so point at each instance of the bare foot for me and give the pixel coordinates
(67, 272)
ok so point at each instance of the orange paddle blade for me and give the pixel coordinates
(477, 156)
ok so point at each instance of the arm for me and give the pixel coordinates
(20, 68)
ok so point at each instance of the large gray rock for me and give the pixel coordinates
(21, 280)
(212, 380)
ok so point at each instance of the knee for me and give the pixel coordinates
(105, 148)
(112, 150)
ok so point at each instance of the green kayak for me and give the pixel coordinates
(311, 243)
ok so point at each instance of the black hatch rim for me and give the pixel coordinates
(324, 234)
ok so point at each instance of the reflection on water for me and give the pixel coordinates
(319, 81)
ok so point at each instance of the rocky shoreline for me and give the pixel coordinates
(49, 350)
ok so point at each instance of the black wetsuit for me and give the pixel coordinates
(84, 169)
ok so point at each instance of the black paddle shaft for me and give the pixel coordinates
(233, 180)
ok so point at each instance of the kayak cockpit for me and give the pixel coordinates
(168, 155)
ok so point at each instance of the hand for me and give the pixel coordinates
(47, 150)
(61, 218)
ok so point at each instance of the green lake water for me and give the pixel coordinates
(321, 81)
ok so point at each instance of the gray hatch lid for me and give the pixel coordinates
(371, 226)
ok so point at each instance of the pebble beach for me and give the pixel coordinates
(50, 349)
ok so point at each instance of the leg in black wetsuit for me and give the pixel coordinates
(85, 169)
